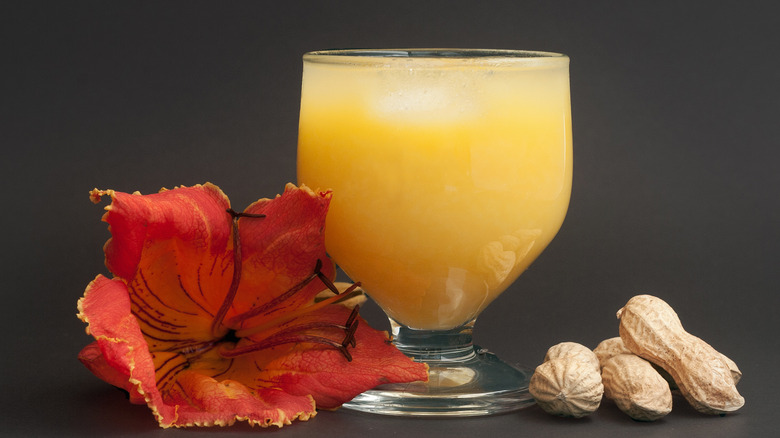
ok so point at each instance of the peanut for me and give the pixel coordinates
(568, 383)
(614, 346)
(572, 349)
(609, 348)
(636, 387)
(736, 374)
(651, 329)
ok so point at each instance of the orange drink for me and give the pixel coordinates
(449, 176)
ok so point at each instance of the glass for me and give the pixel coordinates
(451, 172)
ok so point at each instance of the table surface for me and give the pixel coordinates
(675, 183)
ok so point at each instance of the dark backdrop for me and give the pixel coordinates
(675, 182)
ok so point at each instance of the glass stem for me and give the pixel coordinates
(452, 345)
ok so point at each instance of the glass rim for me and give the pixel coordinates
(435, 56)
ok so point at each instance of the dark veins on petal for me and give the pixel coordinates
(165, 337)
(293, 334)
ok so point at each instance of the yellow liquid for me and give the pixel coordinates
(447, 182)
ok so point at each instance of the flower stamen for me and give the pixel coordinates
(236, 320)
(290, 334)
(348, 293)
(293, 334)
(216, 324)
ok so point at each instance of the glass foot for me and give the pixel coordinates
(463, 380)
(483, 385)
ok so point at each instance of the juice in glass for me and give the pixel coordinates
(448, 178)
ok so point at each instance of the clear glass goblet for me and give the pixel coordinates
(451, 172)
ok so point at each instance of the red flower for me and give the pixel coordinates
(211, 316)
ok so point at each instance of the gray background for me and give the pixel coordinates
(675, 182)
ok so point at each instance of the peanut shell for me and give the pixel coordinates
(651, 329)
(636, 387)
(566, 387)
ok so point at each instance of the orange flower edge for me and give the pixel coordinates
(211, 316)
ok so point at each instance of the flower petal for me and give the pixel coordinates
(282, 249)
(325, 373)
(105, 306)
(203, 401)
(92, 358)
(196, 215)
(173, 250)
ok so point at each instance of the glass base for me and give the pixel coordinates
(463, 380)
